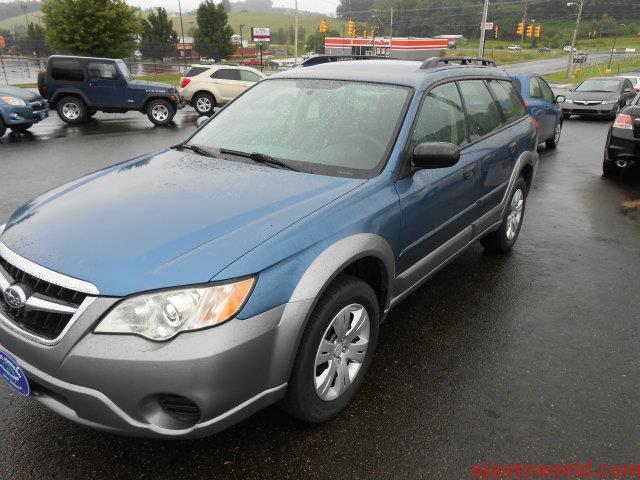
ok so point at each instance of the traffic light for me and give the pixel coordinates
(520, 28)
(350, 28)
(355, 32)
(323, 26)
(537, 30)
(373, 33)
(496, 31)
(530, 31)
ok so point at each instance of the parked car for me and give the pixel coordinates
(542, 105)
(568, 48)
(515, 48)
(205, 86)
(545, 50)
(634, 77)
(251, 62)
(580, 57)
(20, 109)
(79, 87)
(622, 149)
(599, 97)
(177, 293)
(207, 60)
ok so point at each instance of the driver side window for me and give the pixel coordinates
(441, 117)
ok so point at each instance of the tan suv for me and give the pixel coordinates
(207, 86)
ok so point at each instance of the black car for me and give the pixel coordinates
(599, 97)
(623, 142)
(544, 50)
(78, 87)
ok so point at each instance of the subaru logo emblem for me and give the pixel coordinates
(15, 296)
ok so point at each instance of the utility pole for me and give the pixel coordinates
(483, 32)
(26, 20)
(241, 42)
(295, 36)
(184, 50)
(575, 37)
(391, 32)
(524, 25)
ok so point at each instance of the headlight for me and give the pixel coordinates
(609, 102)
(568, 100)
(16, 102)
(161, 316)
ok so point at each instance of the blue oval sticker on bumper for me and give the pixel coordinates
(13, 374)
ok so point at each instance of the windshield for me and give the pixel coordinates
(124, 69)
(599, 85)
(321, 126)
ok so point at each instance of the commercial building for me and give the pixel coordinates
(396, 47)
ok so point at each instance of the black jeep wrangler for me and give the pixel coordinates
(77, 87)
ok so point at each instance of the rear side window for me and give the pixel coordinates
(441, 117)
(193, 71)
(547, 93)
(482, 111)
(247, 76)
(535, 91)
(67, 70)
(102, 71)
(226, 74)
(508, 99)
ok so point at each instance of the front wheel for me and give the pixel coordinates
(553, 142)
(3, 128)
(160, 112)
(503, 239)
(72, 110)
(335, 352)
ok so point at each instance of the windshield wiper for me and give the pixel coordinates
(259, 158)
(195, 149)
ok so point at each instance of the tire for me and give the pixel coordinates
(204, 103)
(3, 128)
(503, 239)
(553, 142)
(610, 169)
(160, 112)
(21, 128)
(71, 110)
(311, 374)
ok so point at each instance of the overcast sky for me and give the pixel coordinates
(324, 6)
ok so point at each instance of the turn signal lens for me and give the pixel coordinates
(184, 82)
(624, 122)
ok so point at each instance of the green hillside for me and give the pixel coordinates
(249, 19)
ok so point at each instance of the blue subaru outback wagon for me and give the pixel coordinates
(176, 293)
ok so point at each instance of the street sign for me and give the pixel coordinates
(488, 25)
(260, 34)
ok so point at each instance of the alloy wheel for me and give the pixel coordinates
(160, 113)
(203, 104)
(341, 352)
(71, 111)
(515, 214)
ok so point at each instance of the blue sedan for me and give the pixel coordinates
(20, 109)
(542, 105)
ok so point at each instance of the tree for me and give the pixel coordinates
(213, 36)
(356, 9)
(35, 38)
(226, 4)
(102, 28)
(158, 36)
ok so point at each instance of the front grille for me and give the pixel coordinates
(44, 324)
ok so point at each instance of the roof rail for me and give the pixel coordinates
(437, 61)
(320, 59)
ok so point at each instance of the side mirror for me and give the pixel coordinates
(435, 155)
(561, 99)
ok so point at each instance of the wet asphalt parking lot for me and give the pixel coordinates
(530, 357)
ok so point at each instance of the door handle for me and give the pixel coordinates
(512, 147)
(469, 171)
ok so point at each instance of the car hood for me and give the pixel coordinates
(151, 86)
(169, 219)
(594, 96)
(21, 93)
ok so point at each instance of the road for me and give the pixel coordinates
(530, 357)
(551, 65)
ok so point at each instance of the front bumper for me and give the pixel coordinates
(598, 110)
(13, 115)
(116, 382)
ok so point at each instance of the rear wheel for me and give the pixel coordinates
(553, 142)
(503, 239)
(204, 103)
(72, 110)
(335, 352)
(160, 112)
(21, 128)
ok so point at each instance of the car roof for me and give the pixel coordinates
(396, 72)
(78, 57)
